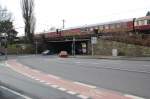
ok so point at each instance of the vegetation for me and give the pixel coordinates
(6, 25)
(148, 13)
(29, 19)
(19, 49)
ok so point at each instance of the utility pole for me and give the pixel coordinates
(6, 46)
(73, 47)
(92, 50)
(93, 41)
(36, 47)
(63, 23)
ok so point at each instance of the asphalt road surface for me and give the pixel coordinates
(6, 93)
(131, 77)
(16, 86)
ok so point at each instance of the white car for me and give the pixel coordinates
(47, 52)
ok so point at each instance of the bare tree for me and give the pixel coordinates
(4, 14)
(29, 19)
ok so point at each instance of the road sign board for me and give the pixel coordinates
(94, 40)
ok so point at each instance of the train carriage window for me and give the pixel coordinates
(124, 25)
(101, 27)
(118, 25)
(145, 22)
(82, 29)
(96, 28)
(148, 21)
(91, 29)
(106, 26)
(141, 22)
(112, 26)
(136, 23)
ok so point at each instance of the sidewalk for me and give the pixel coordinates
(112, 57)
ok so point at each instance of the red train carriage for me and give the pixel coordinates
(110, 27)
(142, 24)
(117, 26)
(71, 32)
(121, 26)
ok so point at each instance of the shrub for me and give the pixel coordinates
(20, 49)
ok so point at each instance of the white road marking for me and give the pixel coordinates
(147, 65)
(54, 86)
(82, 97)
(34, 70)
(95, 63)
(48, 83)
(26, 67)
(78, 62)
(62, 89)
(86, 85)
(55, 77)
(32, 77)
(37, 79)
(133, 97)
(71, 92)
(2, 64)
(23, 56)
(42, 81)
(16, 93)
(27, 75)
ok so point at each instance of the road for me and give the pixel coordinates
(16, 86)
(5, 93)
(131, 77)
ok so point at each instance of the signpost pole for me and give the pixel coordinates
(74, 46)
(92, 50)
(93, 41)
(5, 35)
(36, 47)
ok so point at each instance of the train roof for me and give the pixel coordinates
(143, 18)
(98, 24)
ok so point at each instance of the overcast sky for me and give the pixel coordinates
(50, 13)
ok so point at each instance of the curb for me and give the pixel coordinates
(110, 58)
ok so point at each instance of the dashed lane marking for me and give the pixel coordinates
(90, 86)
(48, 83)
(133, 97)
(71, 92)
(16, 93)
(37, 79)
(55, 77)
(62, 89)
(54, 86)
(26, 67)
(34, 70)
(78, 62)
(82, 97)
(42, 81)
(95, 63)
(33, 77)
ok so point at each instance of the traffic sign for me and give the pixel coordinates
(94, 40)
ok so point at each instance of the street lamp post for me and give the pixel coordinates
(63, 23)
(36, 47)
(73, 47)
(5, 45)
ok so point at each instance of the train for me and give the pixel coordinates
(140, 25)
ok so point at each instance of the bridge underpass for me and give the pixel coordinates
(78, 47)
